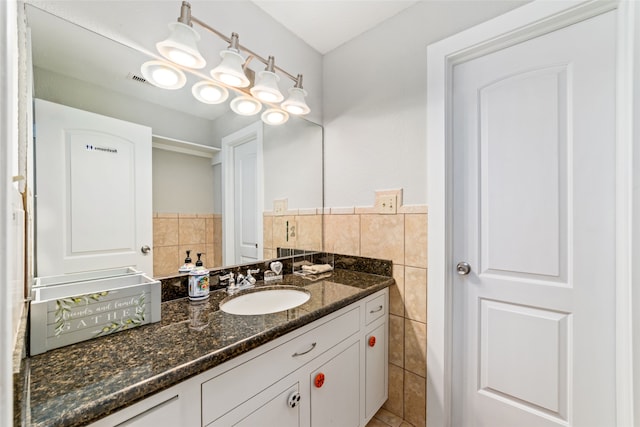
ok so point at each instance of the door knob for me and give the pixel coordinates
(463, 268)
(145, 249)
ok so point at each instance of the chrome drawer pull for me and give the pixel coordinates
(305, 352)
(376, 310)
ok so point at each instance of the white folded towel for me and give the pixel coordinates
(317, 268)
(315, 277)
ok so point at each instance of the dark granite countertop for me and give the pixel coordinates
(80, 383)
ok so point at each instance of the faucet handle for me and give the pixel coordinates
(228, 277)
(250, 278)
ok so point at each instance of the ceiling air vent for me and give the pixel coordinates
(137, 78)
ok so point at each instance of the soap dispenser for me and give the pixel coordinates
(199, 281)
(188, 265)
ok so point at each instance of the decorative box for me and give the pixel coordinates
(77, 307)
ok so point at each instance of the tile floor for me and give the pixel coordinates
(384, 418)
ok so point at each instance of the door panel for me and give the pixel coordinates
(510, 370)
(246, 209)
(523, 160)
(98, 200)
(93, 192)
(534, 216)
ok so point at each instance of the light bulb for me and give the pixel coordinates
(209, 92)
(230, 80)
(294, 109)
(274, 117)
(245, 105)
(181, 57)
(164, 76)
(266, 96)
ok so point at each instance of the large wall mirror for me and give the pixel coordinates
(193, 195)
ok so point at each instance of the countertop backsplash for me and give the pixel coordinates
(175, 287)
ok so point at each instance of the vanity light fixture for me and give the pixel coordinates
(209, 92)
(181, 46)
(274, 116)
(296, 104)
(163, 75)
(266, 85)
(230, 69)
(245, 105)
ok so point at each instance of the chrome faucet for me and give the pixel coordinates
(243, 282)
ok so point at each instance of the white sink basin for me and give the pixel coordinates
(265, 301)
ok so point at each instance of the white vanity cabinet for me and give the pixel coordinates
(323, 374)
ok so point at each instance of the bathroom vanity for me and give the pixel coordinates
(322, 363)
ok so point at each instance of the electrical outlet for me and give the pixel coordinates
(386, 204)
(280, 206)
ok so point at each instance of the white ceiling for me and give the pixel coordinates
(326, 24)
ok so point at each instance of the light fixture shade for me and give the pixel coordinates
(229, 71)
(274, 116)
(163, 75)
(296, 104)
(209, 92)
(266, 87)
(245, 105)
(181, 46)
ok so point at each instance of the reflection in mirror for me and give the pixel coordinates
(194, 189)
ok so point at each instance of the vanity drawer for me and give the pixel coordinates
(230, 389)
(376, 308)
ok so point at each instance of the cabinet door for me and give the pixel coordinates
(376, 369)
(335, 390)
(274, 407)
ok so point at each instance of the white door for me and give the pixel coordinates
(93, 192)
(534, 217)
(242, 174)
(246, 210)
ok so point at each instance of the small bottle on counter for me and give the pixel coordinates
(199, 282)
(188, 264)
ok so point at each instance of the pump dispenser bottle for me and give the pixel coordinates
(198, 281)
(188, 264)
